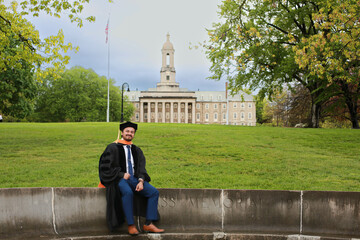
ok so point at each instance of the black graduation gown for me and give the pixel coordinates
(112, 167)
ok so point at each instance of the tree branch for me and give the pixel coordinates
(21, 37)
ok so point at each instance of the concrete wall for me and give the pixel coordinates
(54, 212)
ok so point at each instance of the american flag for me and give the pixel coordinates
(107, 31)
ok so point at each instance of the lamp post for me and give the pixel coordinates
(122, 100)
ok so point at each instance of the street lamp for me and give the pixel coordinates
(122, 100)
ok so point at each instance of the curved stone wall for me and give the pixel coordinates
(61, 212)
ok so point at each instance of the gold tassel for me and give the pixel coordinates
(118, 138)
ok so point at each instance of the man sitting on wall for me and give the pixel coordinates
(122, 171)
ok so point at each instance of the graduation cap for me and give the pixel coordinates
(128, 124)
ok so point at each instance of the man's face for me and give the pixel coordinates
(128, 134)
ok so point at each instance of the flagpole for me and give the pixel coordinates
(108, 92)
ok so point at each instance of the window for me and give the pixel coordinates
(167, 59)
(250, 105)
(215, 105)
(215, 116)
(175, 105)
(198, 116)
(137, 105)
(167, 77)
(224, 116)
(137, 117)
(235, 115)
(242, 105)
(219, 97)
(207, 106)
(250, 115)
(224, 106)
(183, 105)
(167, 105)
(145, 115)
(242, 115)
(207, 117)
(234, 105)
(198, 105)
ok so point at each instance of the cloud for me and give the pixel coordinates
(137, 32)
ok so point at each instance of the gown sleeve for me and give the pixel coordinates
(109, 167)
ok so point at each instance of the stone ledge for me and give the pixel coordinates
(56, 212)
(199, 236)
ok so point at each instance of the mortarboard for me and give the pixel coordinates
(128, 124)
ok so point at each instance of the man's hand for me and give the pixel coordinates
(126, 176)
(139, 187)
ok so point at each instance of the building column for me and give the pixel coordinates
(141, 111)
(179, 110)
(193, 113)
(163, 112)
(171, 112)
(186, 112)
(149, 112)
(156, 112)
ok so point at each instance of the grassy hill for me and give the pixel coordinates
(184, 156)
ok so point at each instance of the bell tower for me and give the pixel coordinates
(167, 72)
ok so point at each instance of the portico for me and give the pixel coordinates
(174, 109)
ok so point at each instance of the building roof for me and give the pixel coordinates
(168, 45)
(201, 96)
(220, 96)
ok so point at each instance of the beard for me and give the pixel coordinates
(127, 138)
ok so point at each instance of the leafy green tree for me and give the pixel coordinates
(259, 102)
(333, 53)
(24, 55)
(300, 106)
(17, 84)
(254, 47)
(79, 95)
(49, 51)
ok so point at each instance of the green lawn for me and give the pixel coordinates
(184, 156)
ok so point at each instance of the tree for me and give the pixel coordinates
(333, 53)
(49, 51)
(79, 95)
(299, 106)
(17, 85)
(253, 47)
(24, 55)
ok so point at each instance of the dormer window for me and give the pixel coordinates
(167, 77)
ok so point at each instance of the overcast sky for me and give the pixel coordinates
(137, 31)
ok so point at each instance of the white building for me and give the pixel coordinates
(168, 103)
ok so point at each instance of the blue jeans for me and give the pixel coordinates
(127, 189)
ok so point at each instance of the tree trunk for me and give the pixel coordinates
(352, 106)
(315, 114)
(316, 104)
(351, 100)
